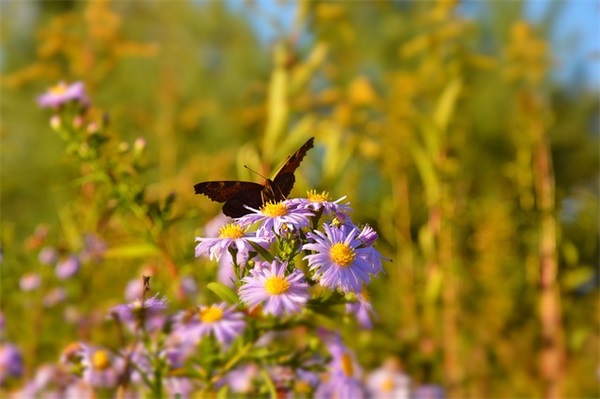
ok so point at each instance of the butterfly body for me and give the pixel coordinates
(238, 194)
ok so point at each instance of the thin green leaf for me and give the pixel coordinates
(269, 383)
(223, 292)
(262, 252)
(132, 251)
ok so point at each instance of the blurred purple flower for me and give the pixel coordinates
(54, 297)
(241, 379)
(49, 382)
(11, 362)
(279, 294)
(101, 368)
(362, 309)
(225, 323)
(93, 248)
(134, 289)
(151, 312)
(179, 387)
(174, 360)
(61, 94)
(428, 391)
(78, 390)
(339, 261)
(189, 286)
(67, 268)
(29, 281)
(343, 377)
(48, 256)
(305, 380)
(388, 382)
(278, 218)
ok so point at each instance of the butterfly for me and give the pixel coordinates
(236, 194)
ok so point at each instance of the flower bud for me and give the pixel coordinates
(55, 122)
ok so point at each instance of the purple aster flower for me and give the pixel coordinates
(388, 381)
(231, 235)
(77, 390)
(173, 359)
(321, 202)
(54, 297)
(338, 260)
(429, 391)
(225, 323)
(179, 387)
(93, 248)
(49, 382)
(151, 312)
(67, 268)
(363, 309)
(29, 281)
(279, 294)
(11, 362)
(369, 237)
(277, 217)
(339, 385)
(48, 256)
(188, 285)
(101, 368)
(134, 289)
(305, 381)
(343, 377)
(241, 380)
(62, 93)
(226, 273)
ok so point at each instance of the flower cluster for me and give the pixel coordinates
(262, 261)
(283, 269)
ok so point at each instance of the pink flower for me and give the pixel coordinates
(62, 93)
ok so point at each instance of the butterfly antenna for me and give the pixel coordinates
(253, 171)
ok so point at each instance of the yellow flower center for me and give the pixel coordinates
(346, 365)
(210, 314)
(366, 296)
(342, 254)
(302, 387)
(100, 360)
(231, 230)
(387, 385)
(274, 209)
(58, 88)
(277, 285)
(313, 196)
(136, 305)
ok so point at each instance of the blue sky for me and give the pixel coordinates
(575, 40)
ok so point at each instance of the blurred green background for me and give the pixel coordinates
(450, 134)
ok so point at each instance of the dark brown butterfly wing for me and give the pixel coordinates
(235, 207)
(236, 194)
(221, 191)
(284, 181)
